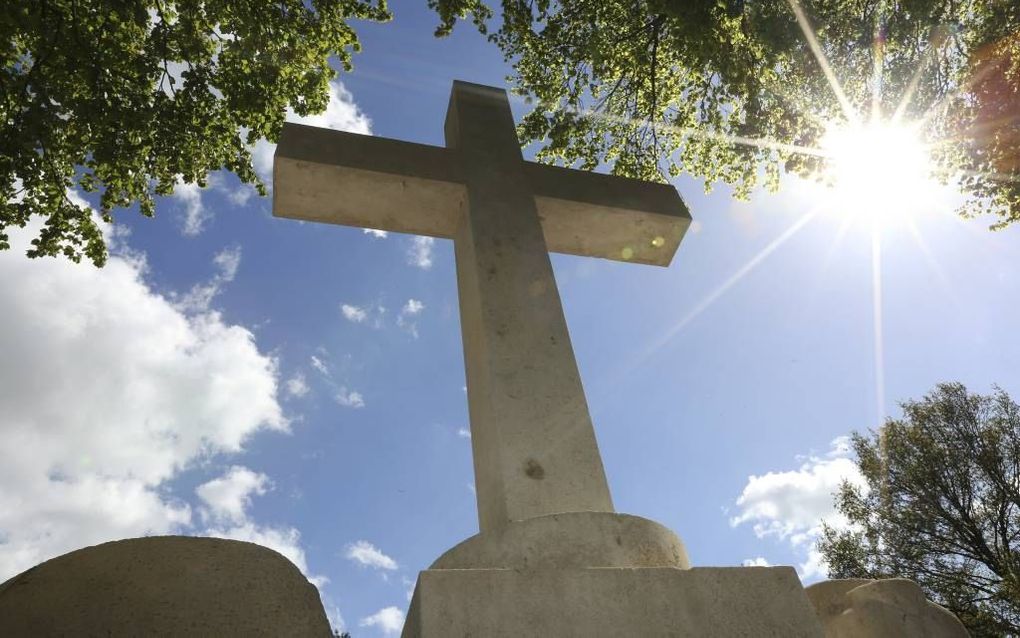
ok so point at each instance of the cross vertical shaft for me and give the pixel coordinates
(534, 445)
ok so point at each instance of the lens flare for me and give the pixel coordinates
(880, 171)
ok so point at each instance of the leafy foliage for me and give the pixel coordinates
(656, 87)
(128, 98)
(941, 506)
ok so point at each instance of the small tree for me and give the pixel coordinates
(941, 506)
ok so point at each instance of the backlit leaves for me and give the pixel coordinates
(128, 98)
(725, 90)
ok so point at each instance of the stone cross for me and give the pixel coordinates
(533, 443)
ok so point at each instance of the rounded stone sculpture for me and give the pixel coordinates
(163, 586)
(891, 608)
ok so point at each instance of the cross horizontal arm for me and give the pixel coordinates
(344, 178)
(335, 177)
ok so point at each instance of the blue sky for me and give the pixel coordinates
(302, 385)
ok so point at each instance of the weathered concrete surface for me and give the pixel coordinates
(573, 539)
(750, 602)
(533, 443)
(893, 608)
(163, 586)
(361, 180)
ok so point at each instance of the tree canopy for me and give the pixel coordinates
(734, 91)
(941, 506)
(128, 98)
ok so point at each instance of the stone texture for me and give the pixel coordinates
(163, 586)
(574, 539)
(893, 608)
(360, 180)
(534, 446)
(751, 602)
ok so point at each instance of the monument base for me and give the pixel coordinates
(611, 601)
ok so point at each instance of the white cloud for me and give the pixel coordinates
(786, 503)
(201, 295)
(371, 315)
(365, 553)
(349, 398)
(464, 432)
(296, 385)
(757, 561)
(792, 505)
(195, 214)
(419, 253)
(814, 566)
(390, 620)
(229, 496)
(319, 365)
(353, 314)
(336, 619)
(378, 234)
(285, 540)
(228, 260)
(412, 308)
(239, 195)
(236, 192)
(191, 199)
(108, 392)
(341, 394)
(341, 114)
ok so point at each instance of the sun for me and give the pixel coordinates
(880, 171)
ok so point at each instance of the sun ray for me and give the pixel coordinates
(757, 142)
(713, 135)
(908, 93)
(930, 260)
(876, 305)
(877, 67)
(837, 240)
(706, 302)
(915, 80)
(623, 370)
(965, 86)
(805, 26)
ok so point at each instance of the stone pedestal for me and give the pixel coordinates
(611, 602)
(599, 574)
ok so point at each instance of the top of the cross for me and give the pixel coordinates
(485, 110)
(482, 91)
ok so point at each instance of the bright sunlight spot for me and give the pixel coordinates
(881, 171)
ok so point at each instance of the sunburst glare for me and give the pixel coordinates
(879, 171)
